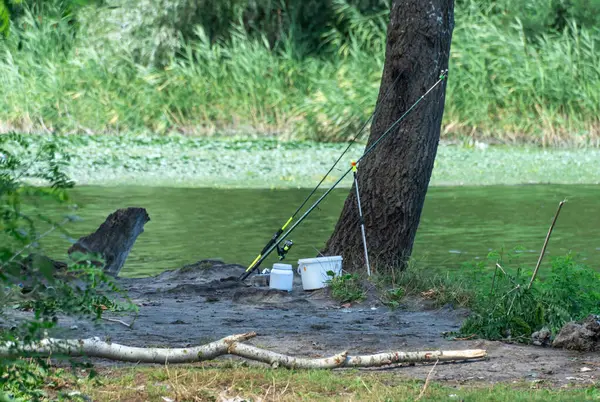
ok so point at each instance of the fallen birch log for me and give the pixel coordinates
(383, 359)
(266, 356)
(94, 347)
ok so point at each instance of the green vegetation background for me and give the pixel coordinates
(520, 70)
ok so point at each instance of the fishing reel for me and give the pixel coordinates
(282, 251)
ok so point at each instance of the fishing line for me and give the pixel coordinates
(352, 141)
(289, 243)
(274, 243)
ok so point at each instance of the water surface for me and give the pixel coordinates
(458, 224)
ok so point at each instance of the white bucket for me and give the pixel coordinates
(281, 277)
(314, 271)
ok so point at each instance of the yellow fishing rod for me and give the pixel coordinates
(274, 242)
(282, 251)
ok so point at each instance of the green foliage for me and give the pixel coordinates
(346, 288)
(508, 309)
(538, 17)
(317, 26)
(502, 306)
(4, 19)
(393, 297)
(28, 280)
(570, 292)
(154, 31)
(293, 69)
(61, 9)
(6, 12)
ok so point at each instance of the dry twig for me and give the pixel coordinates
(119, 321)
(537, 266)
(427, 381)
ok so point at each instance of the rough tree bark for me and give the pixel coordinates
(393, 179)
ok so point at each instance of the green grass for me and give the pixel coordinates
(416, 281)
(346, 288)
(504, 84)
(507, 308)
(497, 293)
(216, 380)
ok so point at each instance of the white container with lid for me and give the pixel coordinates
(282, 277)
(314, 271)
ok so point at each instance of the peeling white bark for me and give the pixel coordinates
(382, 359)
(94, 347)
(277, 359)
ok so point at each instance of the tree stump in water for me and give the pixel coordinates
(114, 239)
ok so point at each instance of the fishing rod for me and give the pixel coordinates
(282, 251)
(275, 242)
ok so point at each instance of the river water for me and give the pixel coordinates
(459, 224)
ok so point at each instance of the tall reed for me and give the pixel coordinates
(504, 84)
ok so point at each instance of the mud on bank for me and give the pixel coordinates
(203, 302)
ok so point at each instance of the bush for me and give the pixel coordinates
(511, 310)
(28, 280)
(496, 292)
(184, 66)
(538, 17)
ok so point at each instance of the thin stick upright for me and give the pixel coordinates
(277, 239)
(360, 215)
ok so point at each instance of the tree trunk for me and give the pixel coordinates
(393, 179)
(114, 239)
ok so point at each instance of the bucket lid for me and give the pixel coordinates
(320, 259)
(285, 267)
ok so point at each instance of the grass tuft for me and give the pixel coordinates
(395, 285)
(346, 288)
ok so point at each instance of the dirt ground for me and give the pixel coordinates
(204, 302)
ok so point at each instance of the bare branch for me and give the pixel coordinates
(94, 347)
(537, 266)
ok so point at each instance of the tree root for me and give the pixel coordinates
(94, 347)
